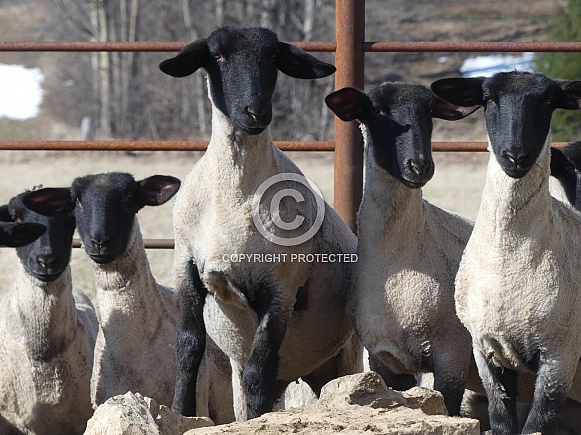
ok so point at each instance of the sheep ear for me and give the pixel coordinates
(157, 189)
(50, 201)
(570, 98)
(450, 112)
(190, 58)
(349, 104)
(5, 214)
(16, 234)
(299, 64)
(572, 152)
(460, 91)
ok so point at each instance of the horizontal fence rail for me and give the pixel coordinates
(314, 46)
(129, 145)
(144, 145)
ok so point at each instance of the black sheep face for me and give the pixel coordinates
(47, 257)
(242, 66)
(106, 205)
(398, 117)
(518, 107)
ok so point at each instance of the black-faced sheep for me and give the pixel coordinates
(408, 249)
(135, 348)
(278, 320)
(47, 329)
(517, 288)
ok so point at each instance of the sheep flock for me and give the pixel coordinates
(274, 295)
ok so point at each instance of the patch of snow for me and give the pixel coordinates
(485, 66)
(20, 92)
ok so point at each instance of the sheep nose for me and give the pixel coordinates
(46, 260)
(516, 157)
(100, 242)
(256, 111)
(418, 166)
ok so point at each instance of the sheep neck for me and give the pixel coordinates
(395, 202)
(43, 314)
(241, 161)
(127, 281)
(516, 205)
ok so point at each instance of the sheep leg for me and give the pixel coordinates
(321, 375)
(391, 379)
(450, 379)
(551, 388)
(500, 384)
(259, 380)
(191, 338)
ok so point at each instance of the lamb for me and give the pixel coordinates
(47, 329)
(518, 280)
(282, 318)
(135, 348)
(409, 249)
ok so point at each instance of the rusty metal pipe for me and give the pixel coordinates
(471, 46)
(314, 46)
(152, 46)
(349, 60)
(149, 243)
(128, 145)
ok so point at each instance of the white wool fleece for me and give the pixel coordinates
(213, 216)
(408, 255)
(135, 349)
(47, 394)
(519, 278)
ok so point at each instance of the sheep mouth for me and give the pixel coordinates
(103, 258)
(46, 276)
(413, 184)
(516, 173)
(253, 131)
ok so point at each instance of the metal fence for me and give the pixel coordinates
(350, 48)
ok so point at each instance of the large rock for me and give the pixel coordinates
(133, 414)
(359, 404)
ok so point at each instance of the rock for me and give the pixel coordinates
(133, 414)
(359, 404)
(369, 389)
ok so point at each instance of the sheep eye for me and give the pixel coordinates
(17, 219)
(218, 56)
(548, 102)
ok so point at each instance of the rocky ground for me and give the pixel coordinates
(357, 404)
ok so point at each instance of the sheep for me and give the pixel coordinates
(135, 348)
(518, 280)
(565, 166)
(47, 329)
(278, 319)
(408, 249)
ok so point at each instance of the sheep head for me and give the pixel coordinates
(242, 66)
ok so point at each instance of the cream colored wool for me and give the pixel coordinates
(519, 278)
(47, 394)
(403, 298)
(213, 217)
(135, 349)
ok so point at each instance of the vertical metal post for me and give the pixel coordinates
(349, 34)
